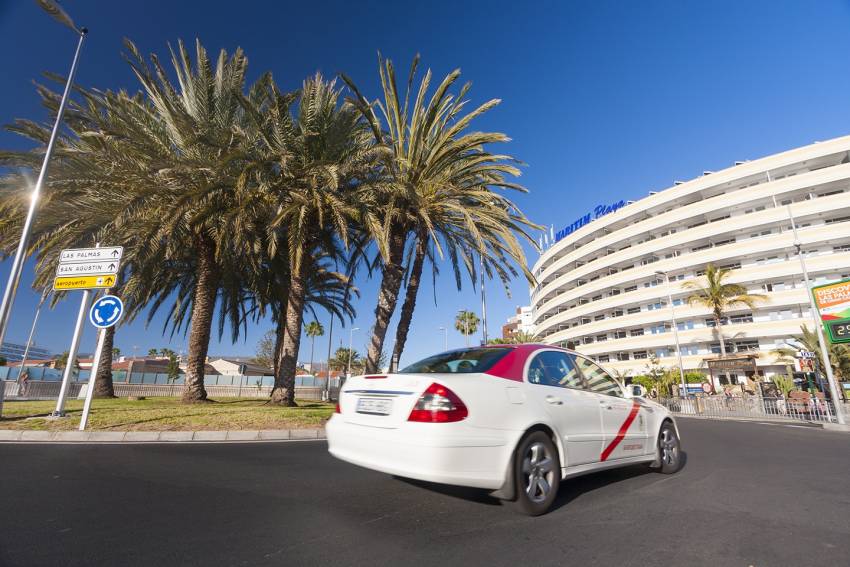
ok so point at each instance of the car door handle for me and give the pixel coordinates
(554, 401)
(606, 404)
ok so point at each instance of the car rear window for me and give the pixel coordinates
(464, 361)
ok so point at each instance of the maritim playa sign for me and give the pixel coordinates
(599, 211)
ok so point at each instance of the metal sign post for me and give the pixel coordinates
(104, 313)
(833, 389)
(72, 356)
(99, 266)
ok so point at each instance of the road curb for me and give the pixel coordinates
(141, 437)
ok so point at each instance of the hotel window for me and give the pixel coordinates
(662, 352)
(747, 345)
(841, 248)
(678, 301)
(601, 338)
(631, 288)
(827, 194)
(837, 219)
(640, 355)
(599, 317)
(744, 318)
(604, 358)
(724, 242)
(613, 292)
(619, 334)
(685, 325)
(596, 298)
(636, 332)
(657, 329)
(699, 248)
(718, 219)
(622, 356)
(689, 350)
(710, 322)
(587, 340)
(617, 313)
(786, 202)
(760, 234)
(697, 224)
(654, 306)
(633, 310)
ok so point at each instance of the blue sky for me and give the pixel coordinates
(603, 100)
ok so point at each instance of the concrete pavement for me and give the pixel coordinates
(750, 494)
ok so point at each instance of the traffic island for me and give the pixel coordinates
(238, 417)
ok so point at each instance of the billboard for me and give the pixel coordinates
(833, 303)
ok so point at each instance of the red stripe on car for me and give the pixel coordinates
(622, 432)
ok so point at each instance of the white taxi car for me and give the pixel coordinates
(516, 419)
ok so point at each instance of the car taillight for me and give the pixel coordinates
(438, 404)
(336, 409)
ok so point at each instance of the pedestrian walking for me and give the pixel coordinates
(23, 382)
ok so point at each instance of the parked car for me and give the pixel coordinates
(515, 419)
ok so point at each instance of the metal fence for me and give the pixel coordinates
(312, 389)
(784, 409)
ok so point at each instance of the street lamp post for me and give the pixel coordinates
(483, 303)
(350, 343)
(445, 338)
(675, 332)
(32, 333)
(20, 255)
(833, 390)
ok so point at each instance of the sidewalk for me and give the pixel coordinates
(23, 436)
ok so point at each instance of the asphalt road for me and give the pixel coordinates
(749, 495)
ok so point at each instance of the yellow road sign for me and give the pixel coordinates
(83, 282)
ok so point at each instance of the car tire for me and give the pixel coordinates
(669, 449)
(537, 474)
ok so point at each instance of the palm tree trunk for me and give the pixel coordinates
(410, 298)
(312, 350)
(393, 274)
(203, 306)
(717, 320)
(288, 359)
(103, 380)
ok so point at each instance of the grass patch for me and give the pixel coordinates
(167, 414)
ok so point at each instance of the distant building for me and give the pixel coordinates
(602, 285)
(521, 322)
(13, 352)
(239, 366)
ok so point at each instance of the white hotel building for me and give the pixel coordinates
(598, 287)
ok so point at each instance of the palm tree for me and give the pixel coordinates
(466, 322)
(521, 337)
(103, 387)
(839, 354)
(313, 329)
(436, 182)
(720, 297)
(316, 163)
(340, 360)
(153, 352)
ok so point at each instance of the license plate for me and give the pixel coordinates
(374, 406)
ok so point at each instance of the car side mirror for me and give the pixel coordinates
(635, 391)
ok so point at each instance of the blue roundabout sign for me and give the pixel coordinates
(106, 311)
